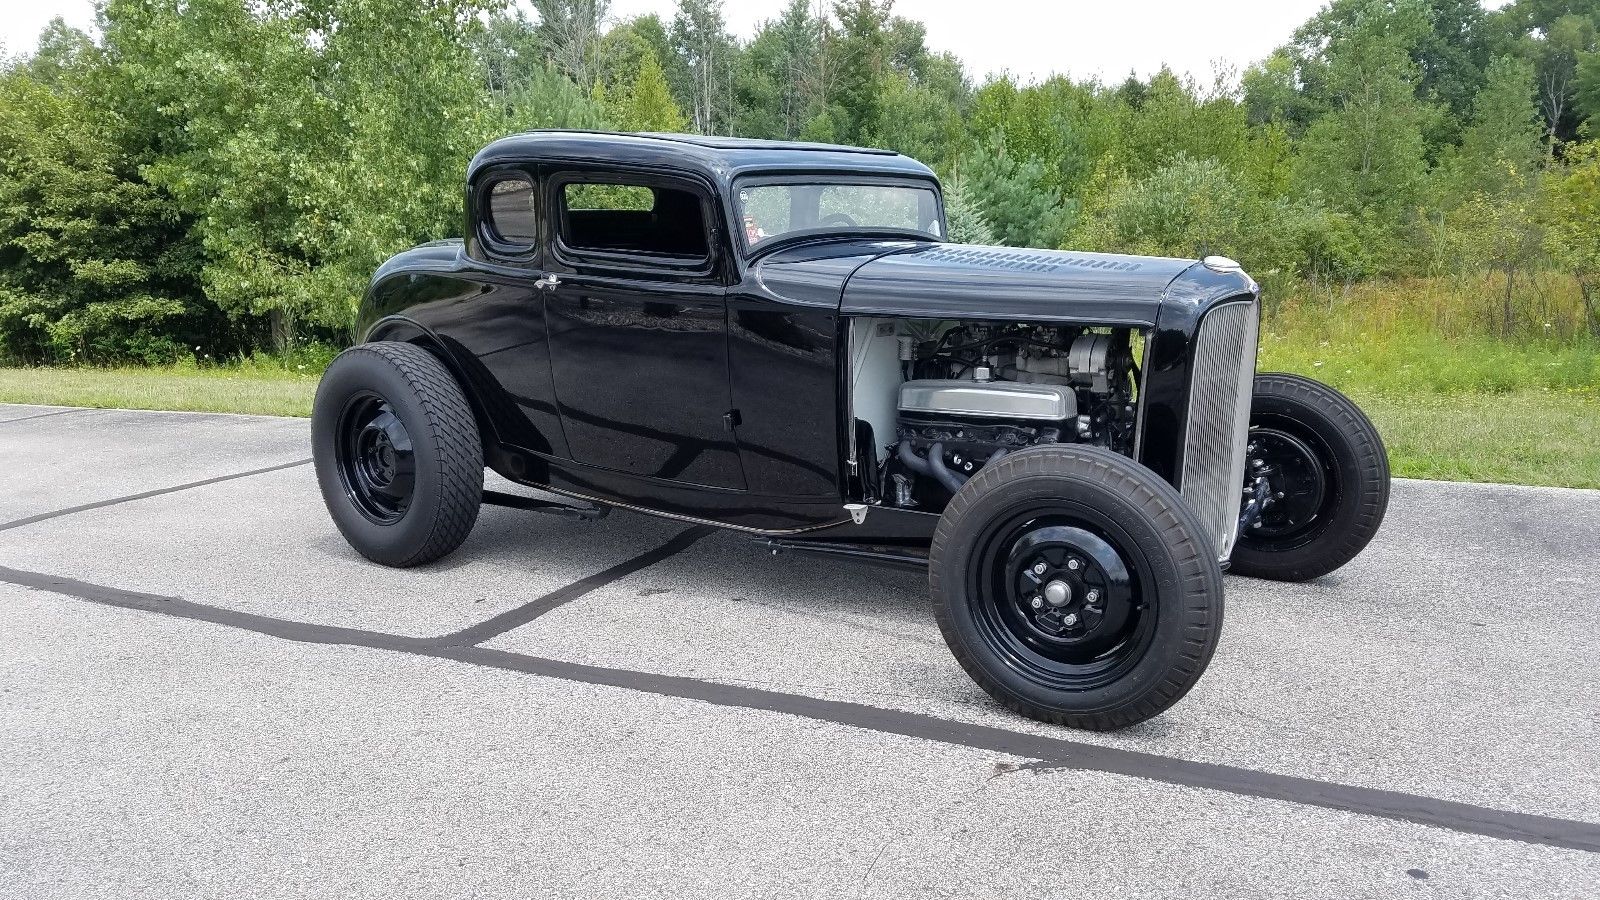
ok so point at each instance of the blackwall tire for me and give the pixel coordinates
(1039, 510)
(1292, 411)
(398, 455)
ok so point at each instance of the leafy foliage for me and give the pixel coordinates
(94, 262)
(225, 174)
(1571, 211)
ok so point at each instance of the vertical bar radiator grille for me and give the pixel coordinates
(1219, 419)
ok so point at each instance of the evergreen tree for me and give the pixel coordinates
(647, 104)
(966, 221)
(860, 63)
(1013, 196)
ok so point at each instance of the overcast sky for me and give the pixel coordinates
(1029, 38)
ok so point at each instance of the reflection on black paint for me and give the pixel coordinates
(640, 373)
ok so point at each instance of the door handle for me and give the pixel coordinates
(546, 282)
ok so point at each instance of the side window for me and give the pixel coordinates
(614, 217)
(511, 214)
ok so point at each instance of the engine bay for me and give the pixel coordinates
(935, 401)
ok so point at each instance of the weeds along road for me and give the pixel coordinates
(204, 692)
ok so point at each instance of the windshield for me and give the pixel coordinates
(768, 211)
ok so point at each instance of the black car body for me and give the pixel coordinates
(742, 361)
(627, 331)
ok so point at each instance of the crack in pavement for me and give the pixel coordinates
(59, 412)
(512, 619)
(142, 495)
(1049, 752)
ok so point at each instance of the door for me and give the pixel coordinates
(638, 327)
(502, 325)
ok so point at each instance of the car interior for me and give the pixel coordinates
(633, 219)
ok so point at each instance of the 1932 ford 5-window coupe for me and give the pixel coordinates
(776, 338)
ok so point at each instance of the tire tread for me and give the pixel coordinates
(1200, 577)
(452, 430)
(1345, 541)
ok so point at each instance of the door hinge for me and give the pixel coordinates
(731, 419)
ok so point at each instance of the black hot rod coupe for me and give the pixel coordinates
(776, 338)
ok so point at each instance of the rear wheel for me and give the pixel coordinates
(1074, 585)
(398, 454)
(1316, 481)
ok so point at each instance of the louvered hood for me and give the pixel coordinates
(950, 281)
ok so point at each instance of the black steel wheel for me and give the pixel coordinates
(375, 458)
(1316, 483)
(398, 454)
(1075, 587)
(1297, 493)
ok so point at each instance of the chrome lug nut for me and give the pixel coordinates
(1074, 564)
(1038, 568)
(1092, 597)
(1037, 602)
(1070, 619)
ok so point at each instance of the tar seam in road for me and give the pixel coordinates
(1057, 753)
(18, 523)
(59, 412)
(513, 619)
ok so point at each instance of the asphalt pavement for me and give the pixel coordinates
(205, 693)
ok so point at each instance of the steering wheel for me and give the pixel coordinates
(838, 219)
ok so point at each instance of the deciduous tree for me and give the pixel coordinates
(1570, 210)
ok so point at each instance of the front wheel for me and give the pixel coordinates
(1316, 481)
(1076, 587)
(398, 454)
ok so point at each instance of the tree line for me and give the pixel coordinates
(214, 177)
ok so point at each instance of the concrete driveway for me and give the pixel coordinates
(205, 693)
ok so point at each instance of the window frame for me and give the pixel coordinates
(491, 244)
(736, 207)
(583, 258)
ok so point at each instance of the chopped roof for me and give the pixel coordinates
(717, 142)
(721, 158)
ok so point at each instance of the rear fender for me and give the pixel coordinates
(480, 389)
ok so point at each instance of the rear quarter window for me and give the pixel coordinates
(512, 214)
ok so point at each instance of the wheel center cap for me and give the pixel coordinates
(1058, 593)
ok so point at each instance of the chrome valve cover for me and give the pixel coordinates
(988, 400)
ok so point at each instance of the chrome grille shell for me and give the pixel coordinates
(1218, 422)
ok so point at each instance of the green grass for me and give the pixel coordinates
(1458, 410)
(237, 389)
(1524, 437)
(1470, 409)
